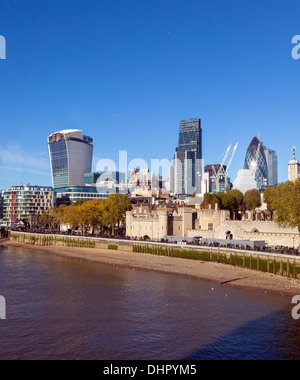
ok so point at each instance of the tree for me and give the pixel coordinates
(114, 211)
(58, 215)
(210, 200)
(269, 194)
(252, 199)
(231, 200)
(91, 215)
(285, 200)
(47, 219)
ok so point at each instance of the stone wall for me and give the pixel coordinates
(268, 231)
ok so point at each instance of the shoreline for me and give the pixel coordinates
(207, 271)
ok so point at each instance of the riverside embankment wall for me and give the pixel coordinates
(284, 265)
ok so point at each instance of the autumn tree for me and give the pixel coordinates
(252, 199)
(210, 201)
(93, 215)
(285, 200)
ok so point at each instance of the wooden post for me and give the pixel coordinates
(244, 260)
(210, 255)
(287, 268)
(250, 261)
(281, 267)
(258, 262)
(268, 264)
(295, 276)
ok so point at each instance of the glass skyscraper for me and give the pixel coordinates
(256, 162)
(71, 156)
(272, 161)
(186, 171)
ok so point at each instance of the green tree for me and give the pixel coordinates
(269, 195)
(285, 200)
(231, 200)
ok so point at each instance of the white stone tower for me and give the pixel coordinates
(294, 167)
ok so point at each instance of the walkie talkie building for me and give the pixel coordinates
(71, 155)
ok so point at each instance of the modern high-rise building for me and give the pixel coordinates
(71, 155)
(186, 171)
(20, 202)
(272, 162)
(256, 162)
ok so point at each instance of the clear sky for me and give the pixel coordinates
(126, 72)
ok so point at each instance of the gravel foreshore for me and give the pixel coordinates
(214, 272)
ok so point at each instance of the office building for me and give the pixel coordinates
(68, 195)
(71, 156)
(93, 178)
(272, 162)
(186, 171)
(256, 162)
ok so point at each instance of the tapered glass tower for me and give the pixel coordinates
(71, 156)
(256, 161)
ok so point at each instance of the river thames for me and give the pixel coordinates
(67, 309)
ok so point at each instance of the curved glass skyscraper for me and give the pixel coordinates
(256, 162)
(71, 156)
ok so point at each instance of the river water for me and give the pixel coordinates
(67, 309)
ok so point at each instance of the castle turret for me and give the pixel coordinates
(294, 167)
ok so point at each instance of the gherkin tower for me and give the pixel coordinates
(256, 161)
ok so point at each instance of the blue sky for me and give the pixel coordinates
(126, 72)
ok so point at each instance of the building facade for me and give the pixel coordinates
(256, 162)
(211, 224)
(71, 155)
(68, 195)
(186, 170)
(157, 224)
(215, 184)
(20, 202)
(272, 162)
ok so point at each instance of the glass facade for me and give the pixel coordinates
(272, 161)
(256, 162)
(187, 158)
(71, 156)
(59, 161)
(190, 136)
(76, 193)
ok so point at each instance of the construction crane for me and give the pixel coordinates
(223, 171)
